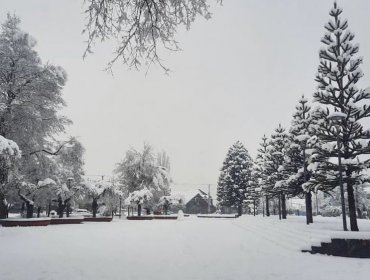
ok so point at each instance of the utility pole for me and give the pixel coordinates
(209, 198)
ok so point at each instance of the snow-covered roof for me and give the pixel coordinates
(189, 195)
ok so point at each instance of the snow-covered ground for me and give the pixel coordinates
(192, 248)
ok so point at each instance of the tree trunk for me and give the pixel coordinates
(68, 209)
(3, 178)
(279, 207)
(38, 211)
(3, 206)
(254, 208)
(139, 209)
(352, 207)
(283, 206)
(308, 200)
(359, 213)
(49, 209)
(29, 207)
(267, 206)
(94, 207)
(23, 207)
(240, 210)
(61, 207)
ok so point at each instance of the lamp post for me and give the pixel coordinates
(335, 118)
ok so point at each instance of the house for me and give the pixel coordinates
(196, 202)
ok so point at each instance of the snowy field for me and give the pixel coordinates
(245, 248)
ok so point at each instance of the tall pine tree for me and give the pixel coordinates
(261, 172)
(297, 154)
(338, 74)
(275, 167)
(235, 177)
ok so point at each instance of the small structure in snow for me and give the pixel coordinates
(196, 202)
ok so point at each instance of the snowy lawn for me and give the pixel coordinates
(193, 248)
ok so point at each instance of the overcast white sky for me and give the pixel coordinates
(240, 74)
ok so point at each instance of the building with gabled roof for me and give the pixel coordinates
(196, 202)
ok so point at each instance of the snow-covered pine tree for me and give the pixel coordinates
(275, 167)
(220, 189)
(235, 177)
(253, 192)
(296, 157)
(260, 171)
(338, 74)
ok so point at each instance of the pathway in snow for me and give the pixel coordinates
(245, 248)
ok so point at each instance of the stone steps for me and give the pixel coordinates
(352, 248)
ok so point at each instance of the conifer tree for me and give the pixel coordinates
(297, 154)
(253, 192)
(235, 177)
(275, 167)
(261, 172)
(338, 74)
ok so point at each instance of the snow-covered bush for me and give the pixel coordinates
(99, 189)
(9, 153)
(139, 198)
(174, 203)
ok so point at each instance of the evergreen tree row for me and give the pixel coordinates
(326, 143)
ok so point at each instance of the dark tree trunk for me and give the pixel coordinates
(68, 209)
(23, 207)
(29, 207)
(49, 209)
(308, 200)
(61, 207)
(3, 178)
(3, 207)
(359, 212)
(254, 208)
(240, 210)
(139, 210)
(267, 206)
(94, 207)
(279, 206)
(283, 206)
(352, 207)
(38, 211)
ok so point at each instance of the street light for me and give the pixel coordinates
(335, 118)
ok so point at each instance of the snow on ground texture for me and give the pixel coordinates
(245, 248)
